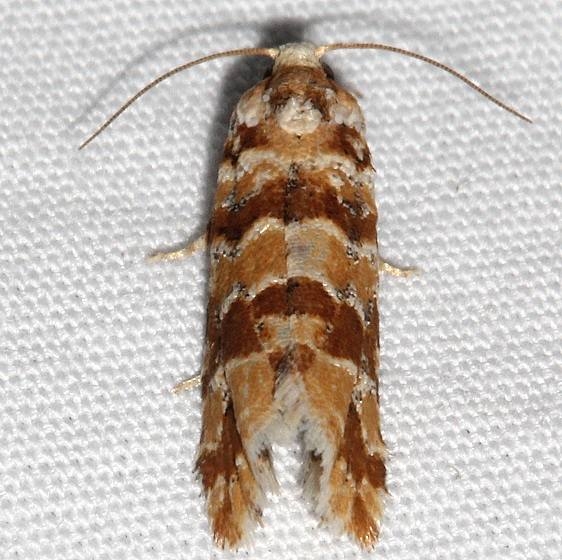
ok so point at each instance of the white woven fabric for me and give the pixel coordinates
(96, 454)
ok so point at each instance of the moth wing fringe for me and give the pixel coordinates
(343, 482)
(234, 480)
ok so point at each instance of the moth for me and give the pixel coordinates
(292, 340)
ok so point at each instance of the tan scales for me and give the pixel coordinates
(292, 344)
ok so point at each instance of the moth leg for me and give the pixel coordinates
(190, 249)
(387, 268)
(187, 384)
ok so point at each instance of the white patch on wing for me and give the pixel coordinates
(299, 117)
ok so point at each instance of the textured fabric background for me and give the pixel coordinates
(96, 454)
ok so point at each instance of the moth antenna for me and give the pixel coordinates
(272, 53)
(322, 50)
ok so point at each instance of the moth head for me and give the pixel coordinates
(297, 54)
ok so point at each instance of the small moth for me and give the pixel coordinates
(292, 344)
